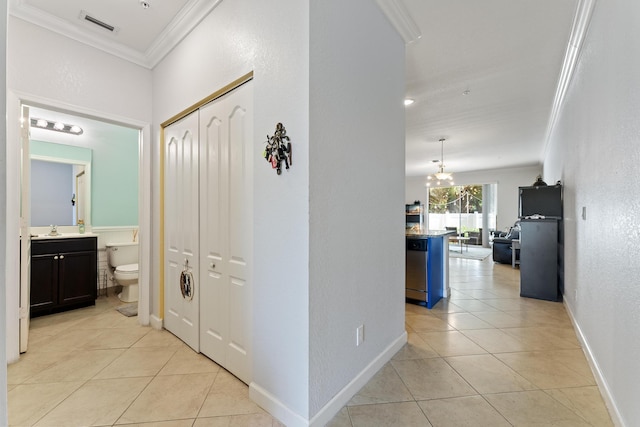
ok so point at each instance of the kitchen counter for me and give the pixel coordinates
(427, 266)
(429, 233)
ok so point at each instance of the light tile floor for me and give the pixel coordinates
(486, 357)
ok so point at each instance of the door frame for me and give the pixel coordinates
(15, 100)
(215, 95)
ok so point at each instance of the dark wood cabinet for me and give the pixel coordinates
(64, 274)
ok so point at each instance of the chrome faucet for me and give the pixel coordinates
(54, 230)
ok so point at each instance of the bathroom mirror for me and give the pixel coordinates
(110, 156)
(60, 187)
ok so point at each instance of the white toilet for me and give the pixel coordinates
(123, 262)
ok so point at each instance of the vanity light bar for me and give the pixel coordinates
(56, 126)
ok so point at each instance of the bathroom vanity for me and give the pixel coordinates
(64, 273)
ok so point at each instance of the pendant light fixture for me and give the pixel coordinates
(441, 175)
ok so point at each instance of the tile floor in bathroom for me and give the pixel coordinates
(485, 358)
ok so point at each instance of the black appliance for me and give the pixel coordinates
(542, 200)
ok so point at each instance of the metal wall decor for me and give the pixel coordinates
(186, 282)
(278, 149)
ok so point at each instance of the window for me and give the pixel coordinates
(462, 207)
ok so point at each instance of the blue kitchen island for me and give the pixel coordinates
(427, 266)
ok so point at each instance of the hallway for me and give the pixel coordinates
(485, 358)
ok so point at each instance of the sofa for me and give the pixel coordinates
(502, 245)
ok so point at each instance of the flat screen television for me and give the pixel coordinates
(543, 200)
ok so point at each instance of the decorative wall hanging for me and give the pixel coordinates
(278, 149)
(186, 282)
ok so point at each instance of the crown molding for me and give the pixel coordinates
(186, 20)
(579, 29)
(397, 13)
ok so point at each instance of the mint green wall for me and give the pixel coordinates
(114, 179)
(68, 152)
(114, 173)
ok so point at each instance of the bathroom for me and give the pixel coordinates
(107, 157)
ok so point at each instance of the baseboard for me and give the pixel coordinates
(155, 322)
(291, 419)
(616, 418)
(275, 407)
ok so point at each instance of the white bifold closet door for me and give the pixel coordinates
(181, 231)
(222, 289)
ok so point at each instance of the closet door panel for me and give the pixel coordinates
(181, 221)
(213, 229)
(227, 135)
(240, 232)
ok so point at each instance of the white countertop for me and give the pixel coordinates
(61, 236)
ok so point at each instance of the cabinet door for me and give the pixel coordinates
(539, 259)
(77, 277)
(44, 282)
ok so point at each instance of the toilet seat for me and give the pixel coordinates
(126, 274)
(127, 270)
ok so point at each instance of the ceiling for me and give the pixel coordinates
(483, 74)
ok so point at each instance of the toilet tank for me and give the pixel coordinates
(122, 253)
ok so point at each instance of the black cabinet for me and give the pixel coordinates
(540, 270)
(541, 242)
(64, 274)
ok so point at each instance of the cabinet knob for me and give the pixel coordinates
(55, 257)
(61, 256)
(212, 265)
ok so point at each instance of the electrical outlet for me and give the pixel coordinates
(359, 335)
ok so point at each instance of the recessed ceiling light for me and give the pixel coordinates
(408, 101)
(145, 4)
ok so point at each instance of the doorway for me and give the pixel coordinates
(140, 139)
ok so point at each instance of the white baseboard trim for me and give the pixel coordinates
(275, 407)
(291, 419)
(156, 322)
(616, 417)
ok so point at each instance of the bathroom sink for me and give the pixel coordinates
(61, 236)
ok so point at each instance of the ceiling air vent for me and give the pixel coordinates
(85, 16)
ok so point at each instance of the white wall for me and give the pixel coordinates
(594, 150)
(52, 70)
(236, 38)
(508, 180)
(3, 214)
(356, 207)
(300, 217)
(51, 66)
